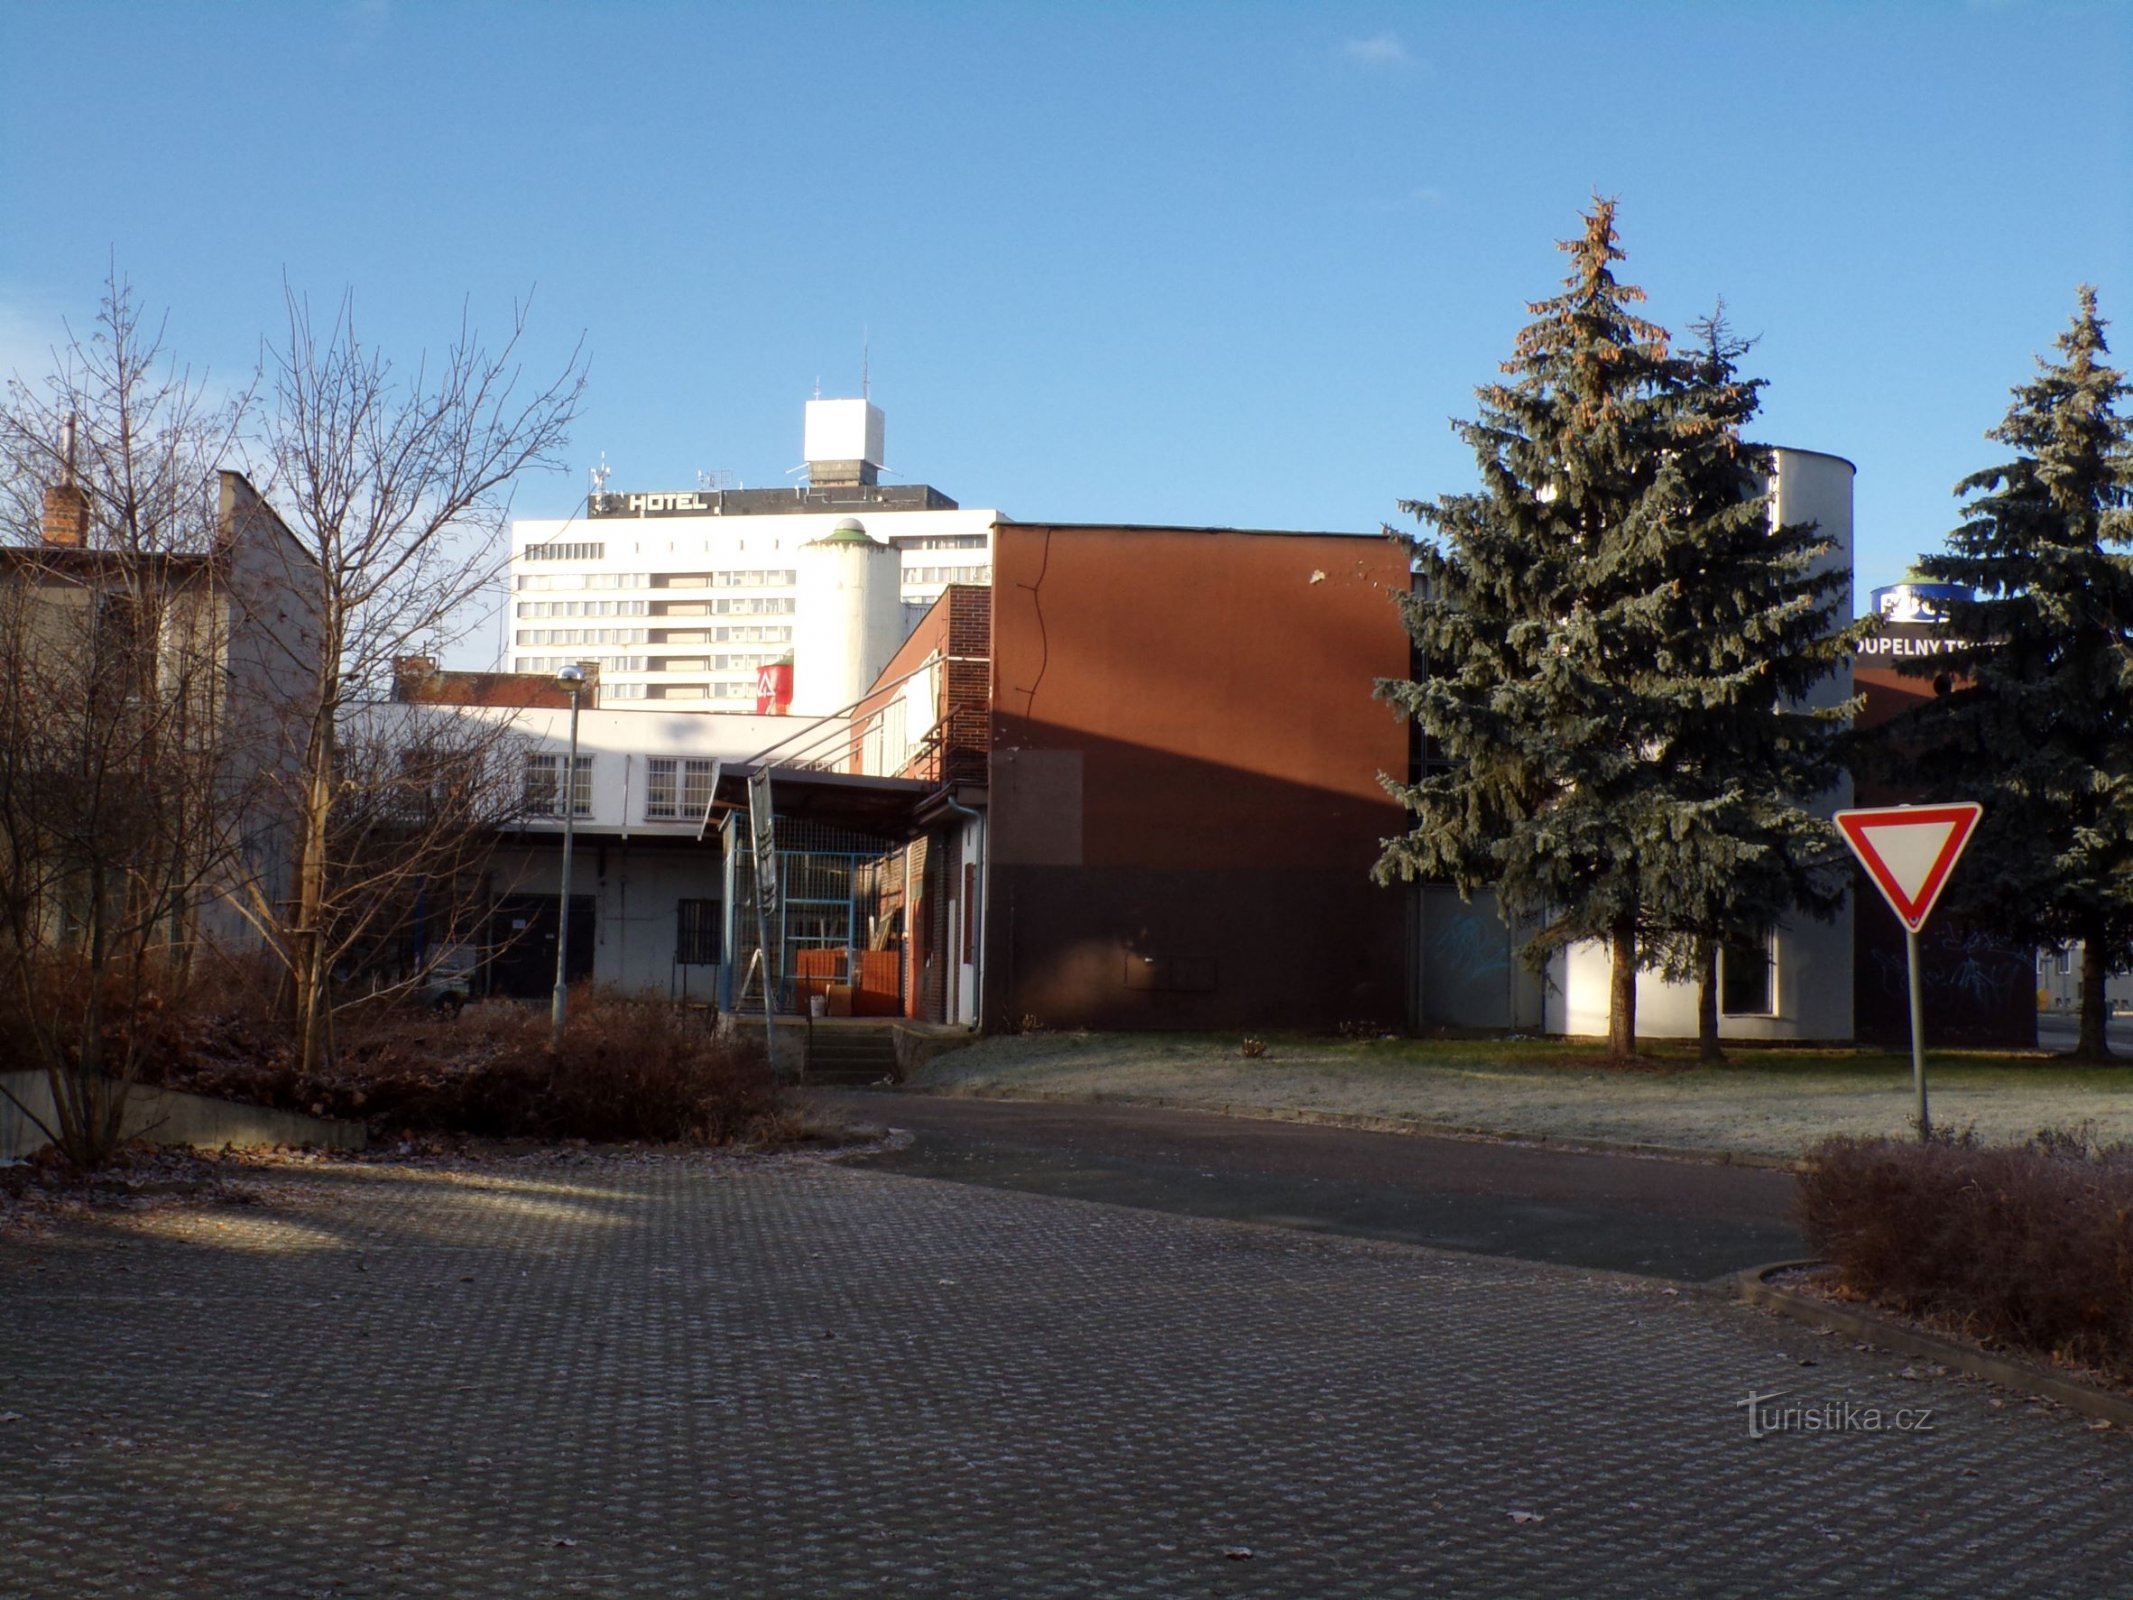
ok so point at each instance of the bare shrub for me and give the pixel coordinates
(2030, 1247)
(630, 1069)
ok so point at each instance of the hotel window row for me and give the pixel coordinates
(583, 580)
(526, 636)
(582, 608)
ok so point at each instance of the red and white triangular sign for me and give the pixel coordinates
(1909, 851)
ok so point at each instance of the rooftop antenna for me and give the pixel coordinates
(598, 474)
(818, 388)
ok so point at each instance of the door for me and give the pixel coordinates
(522, 944)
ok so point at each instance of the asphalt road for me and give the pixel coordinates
(2060, 1031)
(1684, 1220)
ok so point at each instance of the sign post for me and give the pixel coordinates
(763, 835)
(1909, 851)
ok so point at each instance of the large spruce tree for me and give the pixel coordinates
(1750, 636)
(2040, 724)
(1610, 638)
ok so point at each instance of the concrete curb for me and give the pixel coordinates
(174, 1116)
(1370, 1124)
(1869, 1327)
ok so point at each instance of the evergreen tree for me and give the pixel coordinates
(1534, 618)
(1613, 647)
(1749, 636)
(2040, 725)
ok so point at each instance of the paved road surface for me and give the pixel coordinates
(1673, 1219)
(691, 1378)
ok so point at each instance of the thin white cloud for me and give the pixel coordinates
(1380, 52)
(1421, 198)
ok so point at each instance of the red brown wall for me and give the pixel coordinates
(1185, 803)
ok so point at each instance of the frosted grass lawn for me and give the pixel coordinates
(1761, 1103)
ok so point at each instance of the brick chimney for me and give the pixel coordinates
(413, 676)
(66, 504)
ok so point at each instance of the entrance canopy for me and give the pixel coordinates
(884, 807)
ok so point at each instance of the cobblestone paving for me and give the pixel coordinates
(697, 1378)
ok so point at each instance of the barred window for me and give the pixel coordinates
(696, 933)
(676, 789)
(559, 550)
(543, 781)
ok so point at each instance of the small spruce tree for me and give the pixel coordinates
(1534, 619)
(1615, 648)
(2039, 723)
(1750, 634)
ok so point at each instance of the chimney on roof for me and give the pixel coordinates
(410, 676)
(66, 503)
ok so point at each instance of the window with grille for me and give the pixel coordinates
(543, 786)
(676, 789)
(696, 933)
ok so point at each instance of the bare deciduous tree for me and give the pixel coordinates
(116, 797)
(398, 488)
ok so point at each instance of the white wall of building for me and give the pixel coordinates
(636, 885)
(622, 745)
(1812, 961)
(1812, 988)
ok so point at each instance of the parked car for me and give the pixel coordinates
(448, 982)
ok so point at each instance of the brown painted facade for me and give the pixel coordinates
(1184, 790)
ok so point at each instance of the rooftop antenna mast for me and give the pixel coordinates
(598, 475)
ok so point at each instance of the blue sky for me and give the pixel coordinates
(1193, 263)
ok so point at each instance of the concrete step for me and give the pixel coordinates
(851, 1055)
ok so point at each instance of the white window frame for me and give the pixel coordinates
(541, 799)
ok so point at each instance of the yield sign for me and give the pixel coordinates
(1909, 851)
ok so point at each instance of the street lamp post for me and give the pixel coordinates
(572, 678)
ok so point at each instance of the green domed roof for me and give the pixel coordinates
(849, 531)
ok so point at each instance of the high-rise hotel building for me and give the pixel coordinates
(682, 597)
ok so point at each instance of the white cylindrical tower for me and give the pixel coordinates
(1811, 486)
(848, 618)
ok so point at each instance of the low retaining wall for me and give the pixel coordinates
(170, 1116)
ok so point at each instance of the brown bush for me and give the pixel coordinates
(2030, 1247)
(629, 1070)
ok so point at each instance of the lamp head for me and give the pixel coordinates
(571, 676)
